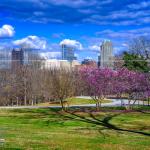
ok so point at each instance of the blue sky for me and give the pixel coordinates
(85, 24)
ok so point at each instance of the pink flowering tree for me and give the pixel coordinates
(98, 82)
(124, 83)
(133, 84)
(143, 88)
(103, 82)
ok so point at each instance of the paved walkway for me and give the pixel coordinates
(115, 102)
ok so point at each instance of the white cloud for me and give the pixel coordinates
(120, 17)
(7, 31)
(124, 34)
(50, 55)
(94, 48)
(31, 42)
(139, 5)
(90, 58)
(125, 45)
(73, 4)
(58, 35)
(72, 43)
(76, 55)
(86, 11)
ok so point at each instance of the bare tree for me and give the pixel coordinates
(140, 46)
(62, 84)
(29, 85)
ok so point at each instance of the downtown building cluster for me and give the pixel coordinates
(11, 59)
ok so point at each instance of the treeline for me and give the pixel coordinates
(30, 86)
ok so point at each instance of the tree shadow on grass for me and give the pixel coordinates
(105, 122)
(144, 112)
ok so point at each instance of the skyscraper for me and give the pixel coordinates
(32, 57)
(5, 58)
(26, 57)
(106, 58)
(17, 58)
(68, 53)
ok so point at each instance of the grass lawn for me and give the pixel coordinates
(81, 101)
(75, 101)
(51, 129)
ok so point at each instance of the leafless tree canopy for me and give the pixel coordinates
(140, 46)
(31, 85)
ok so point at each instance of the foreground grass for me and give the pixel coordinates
(75, 101)
(47, 129)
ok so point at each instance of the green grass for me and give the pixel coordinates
(75, 101)
(47, 129)
(81, 101)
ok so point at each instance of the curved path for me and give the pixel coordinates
(115, 102)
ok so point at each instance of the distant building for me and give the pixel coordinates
(89, 62)
(50, 64)
(75, 64)
(32, 57)
(99, 61)
(17, 58)
(5, 59)
(59, 64)
(25, 56)
(106, 57)
(68, 53)
(118, 62)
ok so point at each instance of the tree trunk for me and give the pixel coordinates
(122, 102)
(17, 101)
(25, 92)
(97, 106)
(62, 104)
(11, 102)
(100, 103)
(119, 97)
(133, 103)
(35, 100)
(32, 102)
(25, 100)
(129, 104)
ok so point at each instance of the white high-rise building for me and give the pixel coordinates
(68, 53)
(106, 57)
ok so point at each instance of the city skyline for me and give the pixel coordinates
(83, 24)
